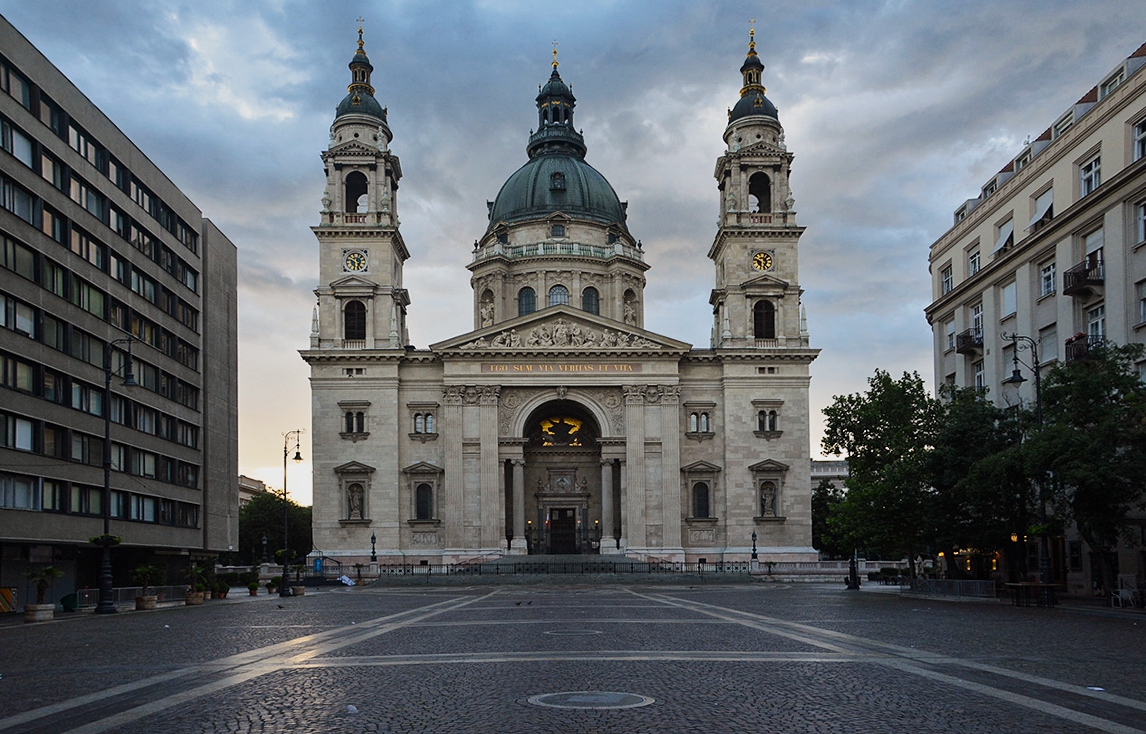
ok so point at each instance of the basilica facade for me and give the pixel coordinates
(556, 423)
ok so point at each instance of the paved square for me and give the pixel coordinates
(579, 658)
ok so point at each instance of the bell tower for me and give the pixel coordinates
(756, 301)
(361, 302)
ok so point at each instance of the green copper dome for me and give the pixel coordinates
(557, 182)
(556, 178)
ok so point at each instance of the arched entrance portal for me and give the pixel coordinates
(562, 479)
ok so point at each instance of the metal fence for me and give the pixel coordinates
(127, 594)
(952, 588)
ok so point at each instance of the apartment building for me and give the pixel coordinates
(106, 264)
(1052, 249)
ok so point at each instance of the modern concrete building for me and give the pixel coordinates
(555, 423)
(102, 256)
(1051, 249)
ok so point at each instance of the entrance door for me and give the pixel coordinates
(562, 530)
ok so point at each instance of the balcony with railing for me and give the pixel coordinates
(969, 341)
(574, 249)
(1083, 278)
(1080, 346)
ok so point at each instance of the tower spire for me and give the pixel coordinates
(753, 68)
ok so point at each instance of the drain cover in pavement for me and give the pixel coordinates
(565, 633)
(591, 700)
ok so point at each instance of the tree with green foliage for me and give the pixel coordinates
(263, 515)
(826, 497)
(980, 492)
(887, 434)
(1091, 449)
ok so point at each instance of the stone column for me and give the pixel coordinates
(623, 543)
(451, 430)
(635, 518)
(492, 511)
(670, 472)
(518, 546)
(608, 540)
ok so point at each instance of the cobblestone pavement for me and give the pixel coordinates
(711, 658)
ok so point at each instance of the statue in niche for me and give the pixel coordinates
(487, 313)
(355, 499)
(768, 500)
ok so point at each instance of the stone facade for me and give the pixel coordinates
(559, 424)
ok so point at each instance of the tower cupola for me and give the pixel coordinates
(360, 95)
(752, 100)
(555, 131)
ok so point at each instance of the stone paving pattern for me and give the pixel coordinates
(839, 675)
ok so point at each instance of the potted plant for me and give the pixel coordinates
(147, 576)
(274, 583)
(43, 578)
(195, 586)
(253, 588)
(298, 589)
(222, 588)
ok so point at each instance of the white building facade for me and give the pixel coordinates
(555, 423)
(1051, 249)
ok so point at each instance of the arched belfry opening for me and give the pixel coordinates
(356, 188)
(759, 193)
(562, 479)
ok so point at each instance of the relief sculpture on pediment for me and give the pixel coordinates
(560, 334)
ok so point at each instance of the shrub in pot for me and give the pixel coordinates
(43, 578)
(147, 576)
(195, 586)
(253, 588)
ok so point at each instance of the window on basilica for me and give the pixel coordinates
(356, 187)
(526, 301)
(354, 321)
(424, 502)
(764, 320)
(759, 193)
(591, 301)
(700, 500)
(558, 296)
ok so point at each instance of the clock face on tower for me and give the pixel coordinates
(354, 262)
(762, 261)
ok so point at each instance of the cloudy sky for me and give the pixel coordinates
(897, 112)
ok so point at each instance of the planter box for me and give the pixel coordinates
(39, 612)
(298, 590)
(193, 598)
(253, 592)
(143, 603)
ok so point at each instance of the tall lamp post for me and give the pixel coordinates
(1021, 342)
(106, 603)
(296, 436)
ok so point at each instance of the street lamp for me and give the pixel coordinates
(106, 603)
(754, 556)
(287, 437)
(264, 547)
(1021, 342)
(373, 553)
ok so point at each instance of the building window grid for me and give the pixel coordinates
(1047, 279)
(973, 263)
(946, 280)
(1090, 176)
(1140, 140)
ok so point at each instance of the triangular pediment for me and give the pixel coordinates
(353, 281)
(561, 329)
(700, 467)
(422, 467)
(353, 467)
(765, 280)
(768, 465)
(353, 147)
(762, 147)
